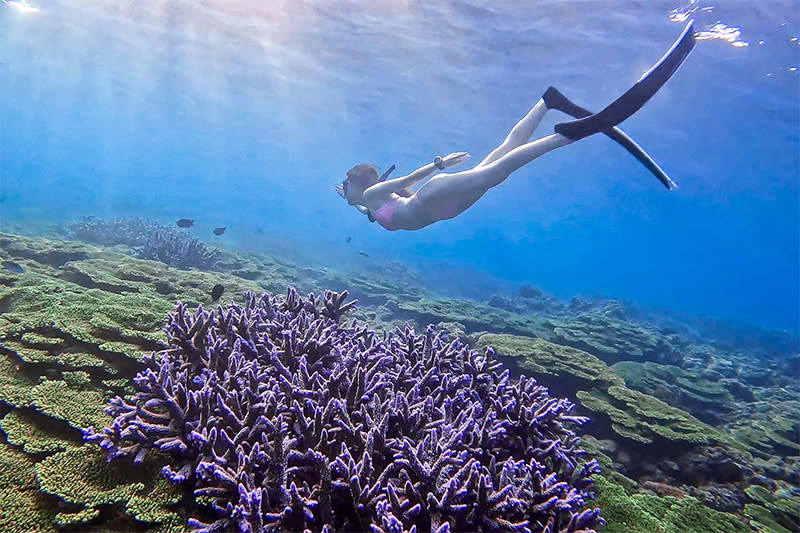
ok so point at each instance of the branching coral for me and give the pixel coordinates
(283, 419)
(109, 232)
(177, 249)
(151, 240)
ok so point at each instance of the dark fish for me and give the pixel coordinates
(365, 254)
(219, 231)
(185, 223)
(348, 239)
(13, 267)
(216, 292)
(259, 231)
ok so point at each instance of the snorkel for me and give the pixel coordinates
(386, 174)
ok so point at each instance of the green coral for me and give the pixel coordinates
(769, 510)
(627, 512)
(541, 358)
(475, 316)
(62, 310)
(611, 339)
(770, 423)
(83, 478)
(682, 385)
(41, 251)
(644, 418)
(762, 520)
(77, 405)
(59, 353)
(29, 432)
(15, 384)
(23, 507)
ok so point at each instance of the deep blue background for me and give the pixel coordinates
(244, 115)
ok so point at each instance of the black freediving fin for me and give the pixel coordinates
(386, 174)
(554, 99)
(635, 97)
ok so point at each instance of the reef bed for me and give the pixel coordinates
(691, 433)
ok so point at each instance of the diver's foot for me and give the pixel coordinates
(555, 99)
(633, 100)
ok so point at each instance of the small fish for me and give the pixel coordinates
(13, 267)
(348, 239)
(365, 254)
(216, 292)
(259, 231)
(219, 231)
(185, 223)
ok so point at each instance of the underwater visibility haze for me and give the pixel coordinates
(628, 354)
(248, 113)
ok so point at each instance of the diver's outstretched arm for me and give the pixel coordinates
(397, 185)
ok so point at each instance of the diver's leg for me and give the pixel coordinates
(447, 195)
(519, 134)
(635, 97)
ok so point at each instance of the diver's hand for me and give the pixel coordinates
(339, 189)
(456, 158)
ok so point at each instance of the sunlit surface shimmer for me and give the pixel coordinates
(22, 7)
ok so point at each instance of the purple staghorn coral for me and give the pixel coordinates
(282, 419)
(177, 249)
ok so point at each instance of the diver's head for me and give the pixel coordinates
(359, 178)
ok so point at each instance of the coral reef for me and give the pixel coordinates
(78, 321)
(69, 332)
(287, 420)
(570, 368)
(150, 240)
(638, 512)
(612, 339)
(110, 232)
(176, 249)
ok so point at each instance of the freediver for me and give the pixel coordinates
(395, 206)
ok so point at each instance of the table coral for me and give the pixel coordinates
(613, 340)
(645, 513)
(542, 358)
(646, 419)
(23, 508)
(81, 478)
(285, 419)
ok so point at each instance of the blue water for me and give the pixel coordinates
(244, 114)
